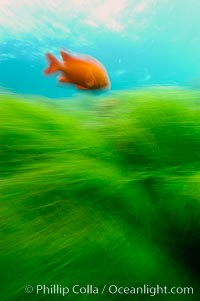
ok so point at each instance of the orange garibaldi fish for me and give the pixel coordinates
(85, 72)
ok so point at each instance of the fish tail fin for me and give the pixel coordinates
(54, 64)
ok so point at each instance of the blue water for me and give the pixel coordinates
(141, 43)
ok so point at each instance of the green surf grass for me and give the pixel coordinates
(100, 191)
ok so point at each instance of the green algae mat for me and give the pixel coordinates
(100, 197)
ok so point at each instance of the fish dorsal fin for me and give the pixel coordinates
(65, 56)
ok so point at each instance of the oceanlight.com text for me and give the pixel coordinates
(113, 289)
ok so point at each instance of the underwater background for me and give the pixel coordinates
(140, 42)
(100, 190)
